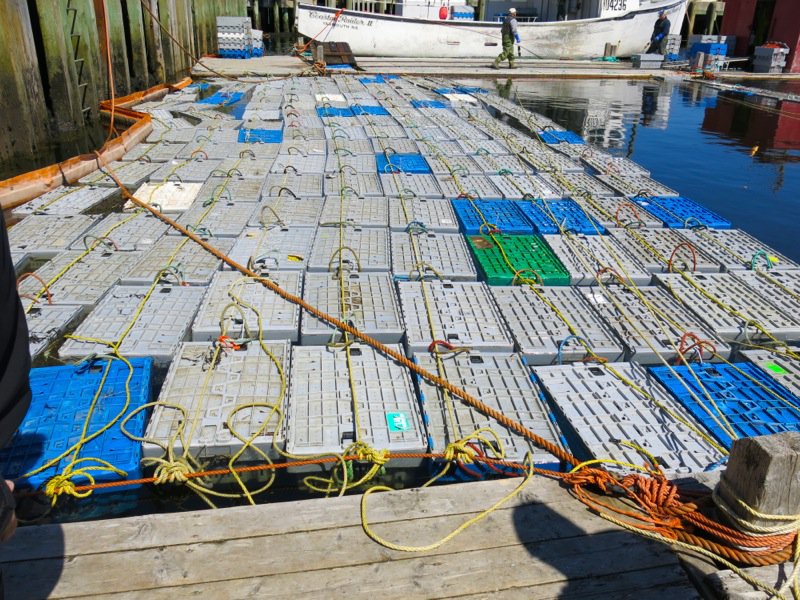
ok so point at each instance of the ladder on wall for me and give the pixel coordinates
(80, 63)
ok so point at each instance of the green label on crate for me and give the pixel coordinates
(776, 368)
(398, 421)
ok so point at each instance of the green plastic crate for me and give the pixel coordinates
(524, 252)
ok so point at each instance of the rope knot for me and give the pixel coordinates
(460, 451)
(58, 485)
(176, 471)
(366, 453)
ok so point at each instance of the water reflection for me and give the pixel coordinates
(770, 126)
(737, 154)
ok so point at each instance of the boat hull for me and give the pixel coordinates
(391, 36)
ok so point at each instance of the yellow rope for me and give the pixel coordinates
(528, 463)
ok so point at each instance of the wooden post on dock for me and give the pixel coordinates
(62, 78)
(764, 473)
(22, 109)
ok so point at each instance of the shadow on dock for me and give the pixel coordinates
(601, 562)
(38, 583)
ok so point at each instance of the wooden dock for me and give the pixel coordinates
(541, 544)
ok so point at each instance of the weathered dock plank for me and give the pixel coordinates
(541, 544)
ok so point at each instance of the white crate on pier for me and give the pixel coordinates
(210, 394)
(333, 405)
(502, 382)
(367, 301)
(598, 413)
(241, 301)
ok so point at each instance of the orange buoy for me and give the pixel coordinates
(443, 12)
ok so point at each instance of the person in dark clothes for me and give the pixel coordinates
(15, 365)
(658, 41)
(509, 34)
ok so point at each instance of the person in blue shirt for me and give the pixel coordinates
(510, 34)
(658, 41)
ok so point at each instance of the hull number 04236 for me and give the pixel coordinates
(615, 4)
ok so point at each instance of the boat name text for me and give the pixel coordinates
(344, 21)
(615, 4)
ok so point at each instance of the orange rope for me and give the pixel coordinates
(24, 276)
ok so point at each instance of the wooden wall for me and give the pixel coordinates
(54, 56)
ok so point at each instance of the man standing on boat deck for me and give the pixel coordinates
(510, 34)
(658, 41)
(15, 363)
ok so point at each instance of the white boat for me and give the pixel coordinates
(426, 28)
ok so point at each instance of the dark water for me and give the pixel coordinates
(737, 155)
(58, 147)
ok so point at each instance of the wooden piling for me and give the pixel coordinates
(285, 26)
(118, 49)
(23, 117)
(139, 76)
(165, 16)
(62, 78)
(153, 42)
(85, 40)
(276, 16)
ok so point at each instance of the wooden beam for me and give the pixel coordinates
(165, 14)
(86, 37)
(155, 50)
(23, 117)
(65, 95)
(119, 51)
(140, 78)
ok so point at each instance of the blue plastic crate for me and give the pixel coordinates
(557, 137)
(378, 78)
(237, 109)
(200, 85)
(566, 213)
(222, 98)
(465, 89)
(377, 111)
(260, 136)
(715, 49)
(504, 214)
(406, 163)
(338, 67)
(681, 213)
(428, 104)
(61, 398)
(750, 405)
(334, 111)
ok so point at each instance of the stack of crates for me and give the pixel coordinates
(464, 13)
(729, 41)
(258, 42)
(770, 58)
(234, 37)
(647, 61)
(673, 44)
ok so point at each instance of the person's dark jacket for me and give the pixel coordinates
(660, 30)
(15, 358)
